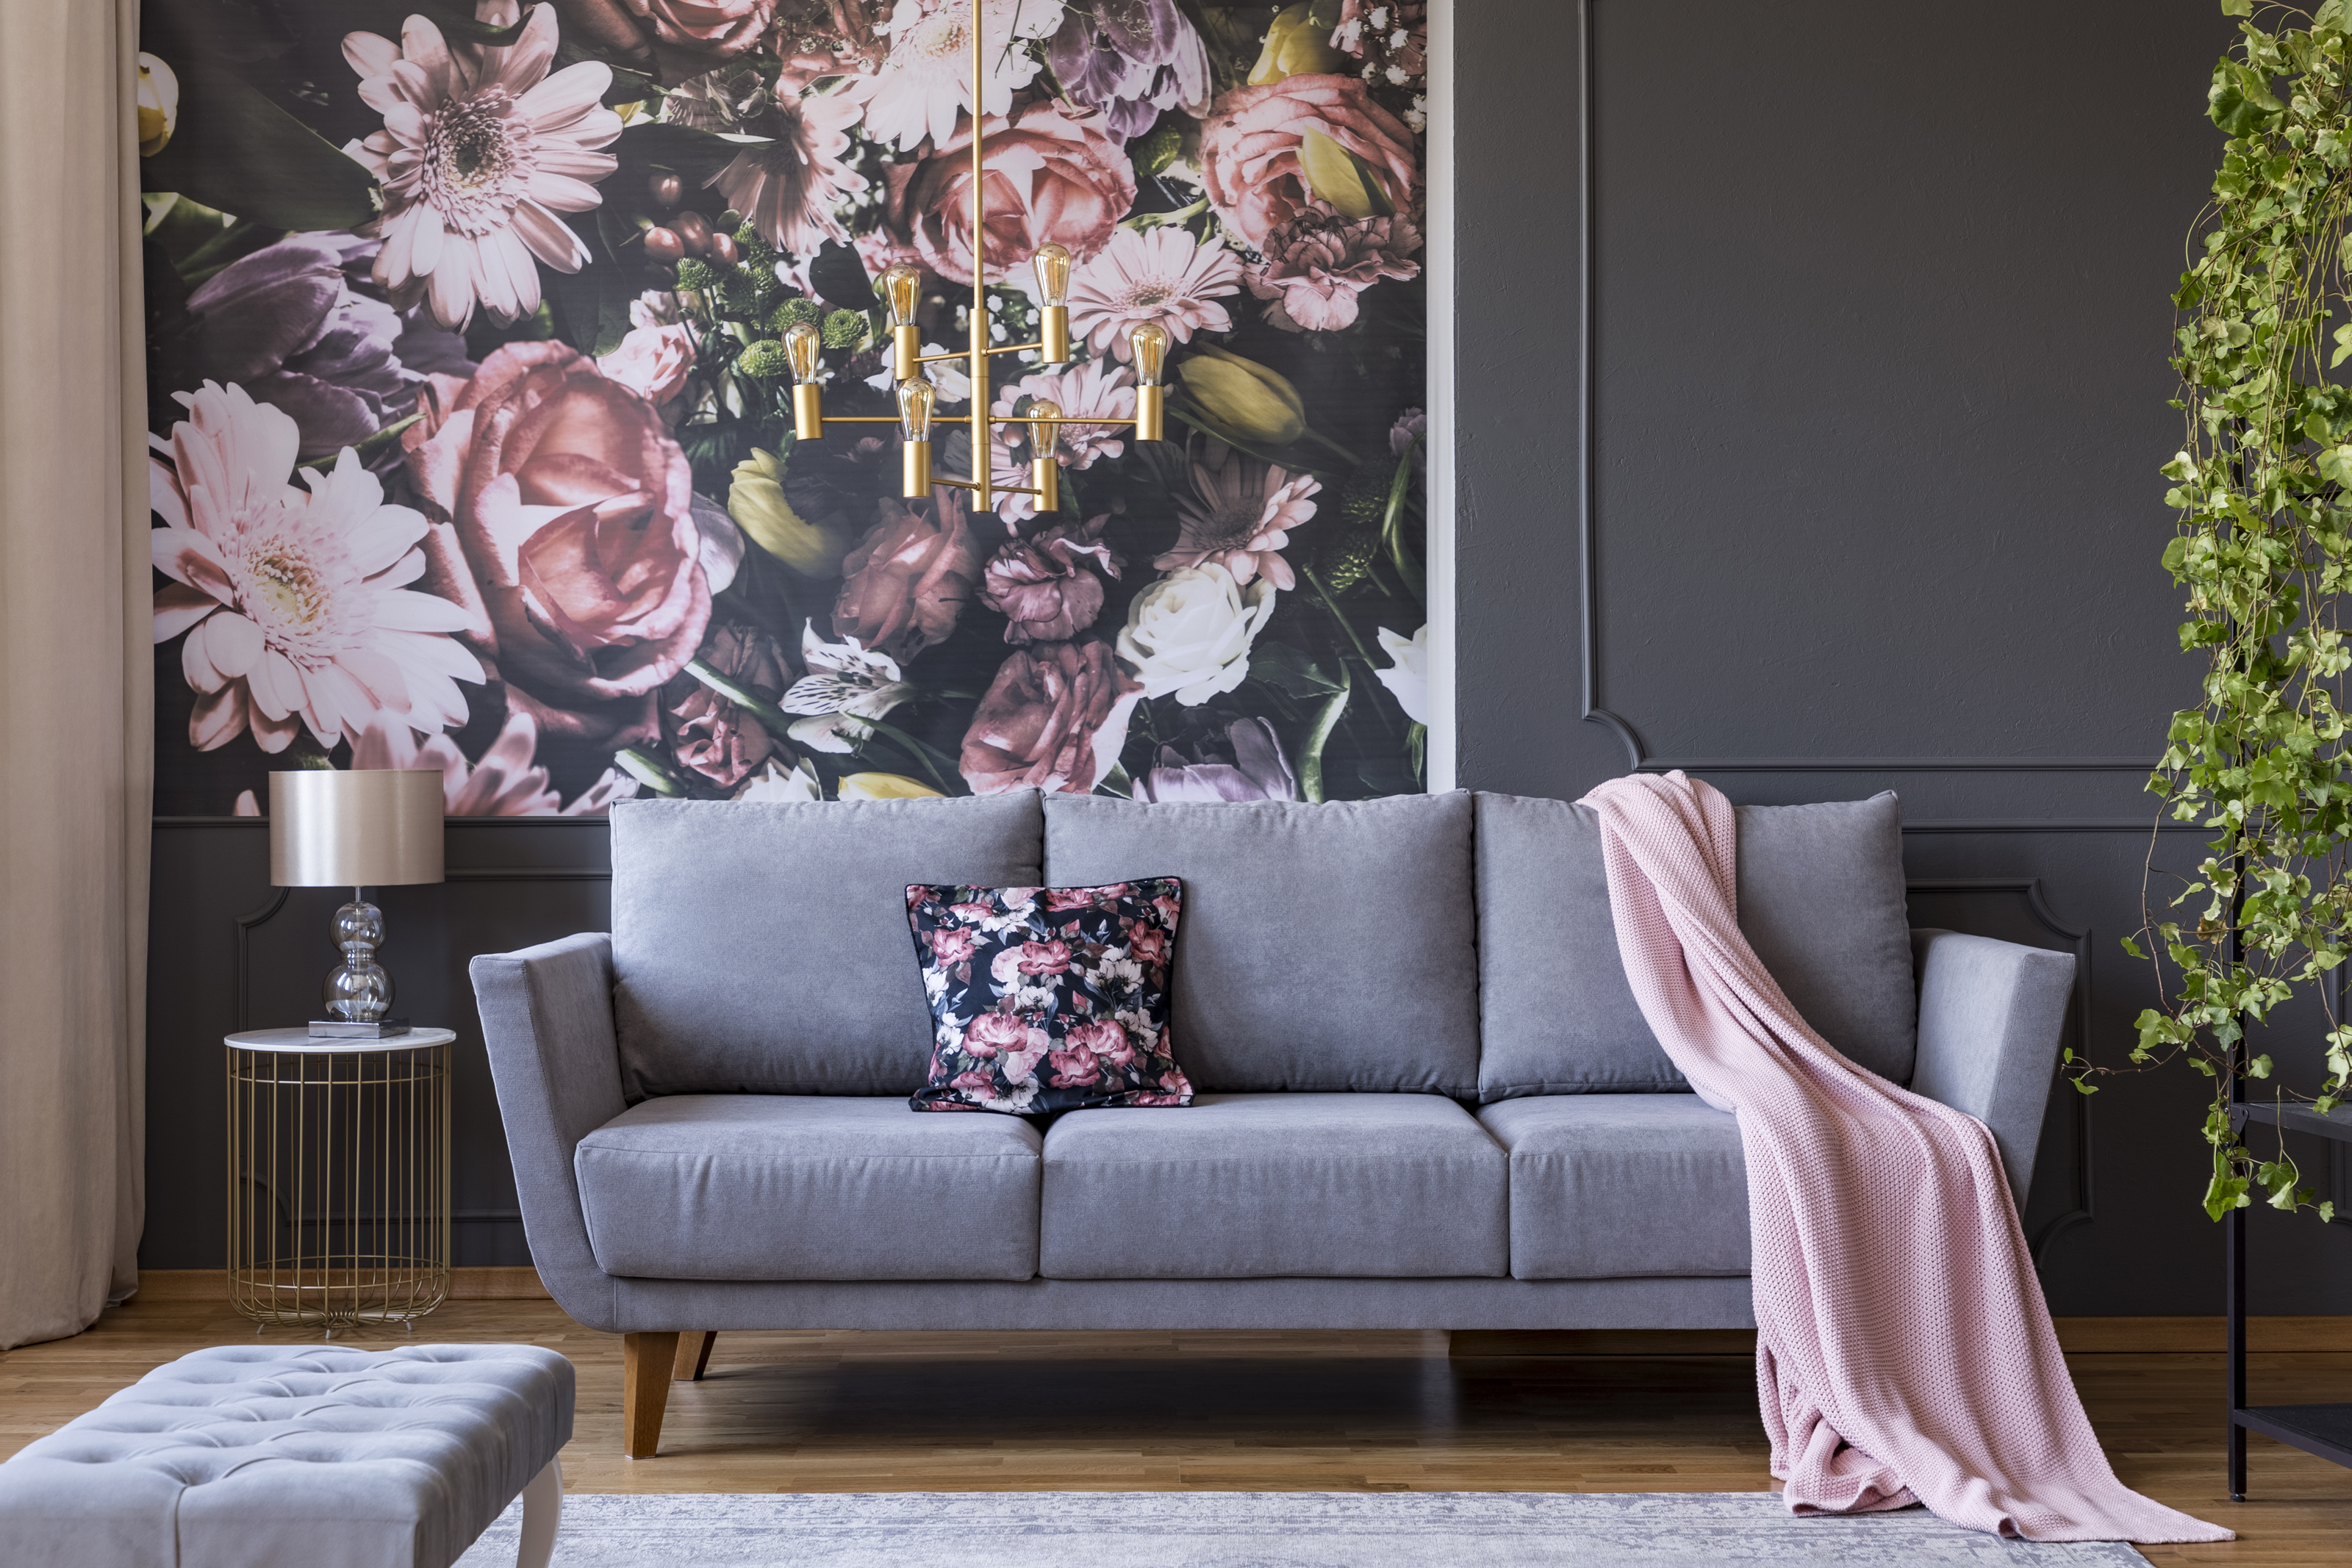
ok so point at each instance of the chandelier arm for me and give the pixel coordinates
(974, 485)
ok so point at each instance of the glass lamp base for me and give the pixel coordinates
(359, 991)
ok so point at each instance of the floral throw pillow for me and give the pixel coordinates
(1048, 998)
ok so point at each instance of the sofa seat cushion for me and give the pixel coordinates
(1326, 947)
(781, 1187)
(1266, 1186)
(1614, 1185)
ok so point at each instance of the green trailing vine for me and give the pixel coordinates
(2263, 490)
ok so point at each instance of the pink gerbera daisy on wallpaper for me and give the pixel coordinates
(1094, 389)
(295, 603)
(481, 149)
(789, 187)
(1163, 274)
(1239, 516)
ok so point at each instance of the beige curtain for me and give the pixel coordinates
(76, 687)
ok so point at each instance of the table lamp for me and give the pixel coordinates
(355, 828)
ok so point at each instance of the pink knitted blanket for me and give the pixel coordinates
(1903, 1349)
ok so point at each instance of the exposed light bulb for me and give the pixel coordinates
(805, 350)
(901, 287)
(1150, 341)
(804, 353)
(1052, 263)
(915, 400)
(1044, 468)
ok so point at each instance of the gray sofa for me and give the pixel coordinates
(1426, 1098)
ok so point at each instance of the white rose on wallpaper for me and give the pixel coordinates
(1408, 678)
(1191, 632)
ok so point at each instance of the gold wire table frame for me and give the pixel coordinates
(338, 1177)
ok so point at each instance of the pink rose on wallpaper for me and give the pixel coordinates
(1045, 957)
(574, 508)
(1050, 176)
(952, 945)
(1042, 586)
(1318, 262)
(910, 578)
(653, 362)
(708, 26)
(1074, 1067)
(1055, 718)
(706, 732)
(1250, 153)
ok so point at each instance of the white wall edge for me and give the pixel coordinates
(1437, 502)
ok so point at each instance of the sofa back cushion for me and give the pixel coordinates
(1323, 948)
(761, 948)
(1821, 900)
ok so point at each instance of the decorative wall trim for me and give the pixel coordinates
(1638, 757)
(247, 925)
(2085, 1208)
(525, 873)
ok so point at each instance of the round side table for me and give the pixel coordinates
(338, 1177)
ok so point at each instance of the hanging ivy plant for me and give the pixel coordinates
(2263, 487)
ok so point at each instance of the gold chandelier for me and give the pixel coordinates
(900, 287)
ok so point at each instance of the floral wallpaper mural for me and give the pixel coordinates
(471, 428)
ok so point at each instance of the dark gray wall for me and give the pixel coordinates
(1811, 388)
(1866, 486)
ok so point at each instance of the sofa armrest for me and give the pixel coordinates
(547, 1018)
(1989, 1017)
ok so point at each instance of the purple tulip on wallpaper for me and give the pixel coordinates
(284, 324)
(1257, 771)
(1133, 58)
(509, 480)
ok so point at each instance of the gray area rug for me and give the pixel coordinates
(1253, 1530)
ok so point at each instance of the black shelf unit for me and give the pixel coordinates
(2322, 1429)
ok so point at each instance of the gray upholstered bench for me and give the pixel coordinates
(265, 1456)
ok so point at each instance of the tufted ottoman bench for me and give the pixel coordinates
(257, 1457)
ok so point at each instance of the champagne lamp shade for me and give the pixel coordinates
(354, 828)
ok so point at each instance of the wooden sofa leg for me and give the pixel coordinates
(646, 1360)
(693, 1355)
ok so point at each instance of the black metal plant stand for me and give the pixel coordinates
(2322, 1429)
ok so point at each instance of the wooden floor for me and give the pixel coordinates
(1380, 1412)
